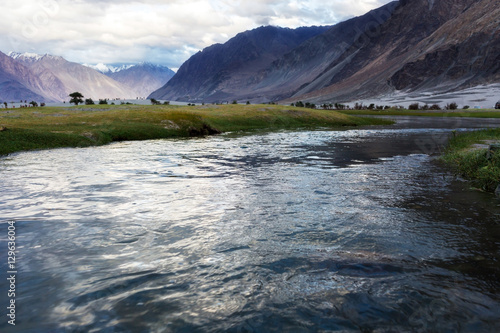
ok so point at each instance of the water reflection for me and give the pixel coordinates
(305, 231)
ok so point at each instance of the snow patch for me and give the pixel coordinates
(27, 56)
(32, 57)
(103, 68)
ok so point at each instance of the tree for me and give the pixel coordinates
(76, 98)
(89, 101)
(452, 106)
(34, 104)
(414, 106)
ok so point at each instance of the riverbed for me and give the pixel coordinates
(303, 231)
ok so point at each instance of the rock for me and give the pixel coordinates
(204, 130)
(492, 149)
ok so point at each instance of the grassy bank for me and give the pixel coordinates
(484, 113)
(43, 128)
(468, 154)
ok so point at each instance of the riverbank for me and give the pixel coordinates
(470, 155)
(469, 113)
(83, 126)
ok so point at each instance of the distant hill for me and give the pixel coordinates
(48, 78)
(143, 79)
(402, 47)
(59, 77)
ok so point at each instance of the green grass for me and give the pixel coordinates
(484, 113)
(50, 127)
(472, 163)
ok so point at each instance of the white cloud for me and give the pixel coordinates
(161, 31)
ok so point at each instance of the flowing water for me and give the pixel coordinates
(307, 231)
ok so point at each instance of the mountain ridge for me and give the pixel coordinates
(402, 46)
(51, 78)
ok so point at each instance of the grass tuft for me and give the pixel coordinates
(475, 164)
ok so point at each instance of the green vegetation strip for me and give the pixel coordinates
(484, 113)
(46, 127)
(469, 154)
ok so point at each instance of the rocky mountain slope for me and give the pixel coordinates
(431, 45)
(222, 71)
(404, 46)
(17, 82)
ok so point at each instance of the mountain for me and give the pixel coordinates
(426, 45)
(402, 47)
(143, 78)
(17, 82)
(222, 71)
(58, 78)
(103, 68)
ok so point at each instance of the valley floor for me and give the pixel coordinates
(82, 126)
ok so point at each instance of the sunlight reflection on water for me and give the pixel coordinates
(274, 232)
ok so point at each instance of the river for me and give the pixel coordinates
(357, 230)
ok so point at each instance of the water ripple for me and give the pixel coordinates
(304, 231)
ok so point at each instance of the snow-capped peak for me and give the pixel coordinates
(32, 57)
(26, 56)
(103, 68)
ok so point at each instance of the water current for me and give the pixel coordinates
(358, 230)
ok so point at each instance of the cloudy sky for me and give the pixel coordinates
(164, 32)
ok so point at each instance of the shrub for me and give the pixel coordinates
(451, 106)
(89, 101)
(413, 106)
(435, 107)
(103, 101)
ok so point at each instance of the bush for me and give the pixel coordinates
(414, 106)
(435, 107)
(103, 101)
(89, 101)
(451, 106)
